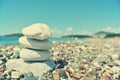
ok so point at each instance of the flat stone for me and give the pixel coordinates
(115, 56)
(38, 31)
(35, 44)
(37, 68)
(15, 74)
(34, 55)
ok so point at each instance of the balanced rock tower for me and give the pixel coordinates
(35, 41)
(35, 56)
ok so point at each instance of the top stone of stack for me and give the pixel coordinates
(37, 31)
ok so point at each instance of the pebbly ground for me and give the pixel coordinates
(92, 59)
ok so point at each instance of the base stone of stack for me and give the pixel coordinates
(37, 68)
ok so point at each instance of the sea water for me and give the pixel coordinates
(8, 40)
(14, 40)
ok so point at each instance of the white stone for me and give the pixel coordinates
(34, 55)
(35, 44)
(38, 31)
(15, 74)
(96, 64)
(1, 62)
(115, 69)
(37, 68)
(115, 56)
(16, 48)
(117, 61)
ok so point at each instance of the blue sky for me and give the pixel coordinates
(63, 16)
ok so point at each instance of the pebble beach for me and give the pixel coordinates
(91, 59)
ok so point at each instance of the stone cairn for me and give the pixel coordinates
(35, 41)
(35, 56)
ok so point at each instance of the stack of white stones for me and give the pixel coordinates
(35, 56)
(35, 41)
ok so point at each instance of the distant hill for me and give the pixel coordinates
(103, 32)
(112, 35)
(14, 35)
(100, 34)
(77, 36)
(108, 34)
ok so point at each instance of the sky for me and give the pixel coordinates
(63, 16)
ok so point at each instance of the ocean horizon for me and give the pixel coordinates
(5, 40)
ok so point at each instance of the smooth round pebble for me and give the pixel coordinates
(38, 31)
